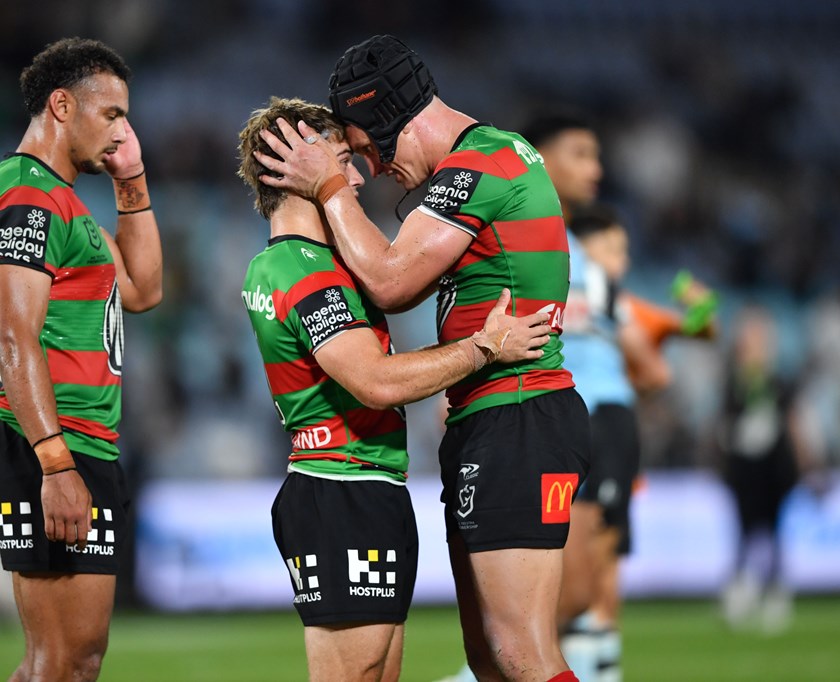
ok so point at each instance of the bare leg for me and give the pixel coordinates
(516, 592)
(479, 656)
(357, 653)
(393, 659)
(65, 620)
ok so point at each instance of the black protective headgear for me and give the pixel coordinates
(379, 86)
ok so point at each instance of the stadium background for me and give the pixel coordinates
(721, 150)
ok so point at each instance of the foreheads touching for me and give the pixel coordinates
(294, 110)
(68, 64)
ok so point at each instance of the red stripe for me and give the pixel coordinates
(287, 377)
(466, 319)
(538, 380)
(89, 427)
(367, 423)
(505, 160)
(359, 424)
(283, 303)
(329, 433)
(85, 426)
(517, 236)
(85, 367)
(60, 199)
(86, 283)
(510, 161)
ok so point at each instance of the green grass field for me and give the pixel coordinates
(674, 641)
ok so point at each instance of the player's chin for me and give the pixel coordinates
(92, 167)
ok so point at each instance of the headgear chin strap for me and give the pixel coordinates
(379, 86)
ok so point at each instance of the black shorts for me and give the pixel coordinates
(23, 543)
(510, 473)
(616, 457)
(350, 547)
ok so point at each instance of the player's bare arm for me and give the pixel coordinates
(136, 246)
(24, 295)
(393, 274)
(355, 358)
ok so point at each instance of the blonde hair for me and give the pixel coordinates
(319, 117)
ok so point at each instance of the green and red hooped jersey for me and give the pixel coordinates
(46, 227)
(494, 186)
(299, 296)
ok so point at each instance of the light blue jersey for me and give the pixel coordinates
(589, 335)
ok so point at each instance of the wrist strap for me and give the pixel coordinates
(487, 346)
(54, 455)
(132, 194)
(330, 187)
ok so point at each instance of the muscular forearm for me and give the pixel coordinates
(365, 249)
(138, 240)
(408, 377)
(139, 243)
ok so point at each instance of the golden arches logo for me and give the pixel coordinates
(564, 492)
(558, 490)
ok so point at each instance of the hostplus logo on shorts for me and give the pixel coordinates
(16, 526)
(367, 574)
(303, 575)
(99, 540)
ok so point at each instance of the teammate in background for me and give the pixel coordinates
(490, 218)
(64, 282)
(343, 519)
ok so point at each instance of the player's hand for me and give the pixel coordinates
(67, 508)
(126, 161)
(526, 335)
(302, 167)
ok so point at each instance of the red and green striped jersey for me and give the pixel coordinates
(299, 296)
(46, 227)
(494, 186)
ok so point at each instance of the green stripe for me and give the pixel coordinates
(534, 275)
(74, 325)
(96, 403)
(493, 400)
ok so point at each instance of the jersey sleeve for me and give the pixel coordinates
(32, 230)
(467, 191)
(322, 306)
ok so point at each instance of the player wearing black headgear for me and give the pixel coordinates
(490, 219)
(380, 85)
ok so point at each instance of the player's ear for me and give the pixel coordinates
(59, 104)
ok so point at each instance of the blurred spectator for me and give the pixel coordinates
(762, 460)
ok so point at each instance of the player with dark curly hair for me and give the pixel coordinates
(64, 282)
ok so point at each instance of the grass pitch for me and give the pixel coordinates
(664, 641)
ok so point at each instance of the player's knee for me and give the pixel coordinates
(86, 660)
(87, 667)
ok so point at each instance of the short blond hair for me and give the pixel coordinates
(292, 110)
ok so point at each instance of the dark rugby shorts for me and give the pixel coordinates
(510, 473)
(350, 548)
(23, 543)
(616, 455)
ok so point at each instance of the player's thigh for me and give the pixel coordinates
(519, 585)
(355, 653)
(66, 611)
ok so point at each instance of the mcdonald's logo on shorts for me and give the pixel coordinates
(557, 493)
